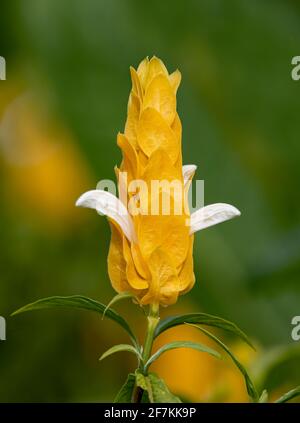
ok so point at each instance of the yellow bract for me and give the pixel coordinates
(158, 265)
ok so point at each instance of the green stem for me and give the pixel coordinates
(153, 319)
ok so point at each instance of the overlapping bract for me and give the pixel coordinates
(159, 265)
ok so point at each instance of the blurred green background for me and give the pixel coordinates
(61, 107)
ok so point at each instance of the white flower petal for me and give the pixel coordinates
(188, 173)
(212, 215)
(109, 205)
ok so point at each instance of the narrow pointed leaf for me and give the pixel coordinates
(249, 384)
(289, 395)
(117, 298)
(181, 344)
(81, 302)
(202, 319)
(119, 348)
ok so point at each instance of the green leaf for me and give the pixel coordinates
(264, 396)
(125, 393)
(119, 348)
(78, 301)
(144, 383)
(159, 391)
(140, 380)
(117, 298)
(155, 389)
(249, 384)
(202, 319)
(289, 395)
(181, 344)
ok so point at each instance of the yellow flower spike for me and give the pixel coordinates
(151, 249)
